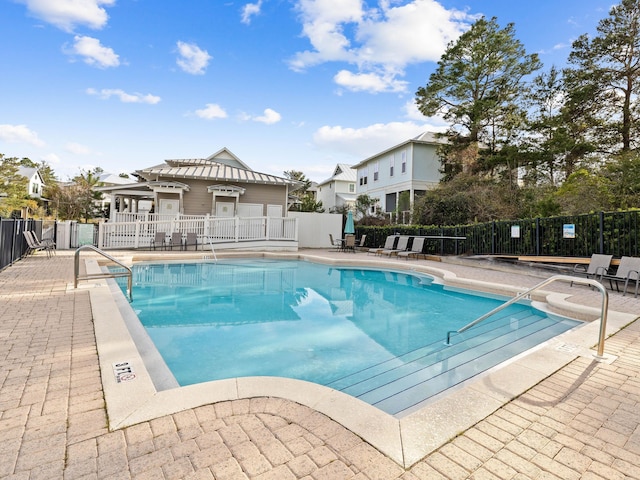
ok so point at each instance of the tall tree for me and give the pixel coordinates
(554, 142)
(604, 77)
(478, 85)
(13, 187)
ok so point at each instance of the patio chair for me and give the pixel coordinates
(360, 243)
(349, 243)
(389, 244)
(33, 246)
(598, 267)
(415, 250)
(401, 246)
(48, 243)
(192, 239)
(628, 271)
(159, 240)
(336, 243)
(176, 240)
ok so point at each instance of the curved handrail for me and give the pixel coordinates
(76, 269)
(566, 278)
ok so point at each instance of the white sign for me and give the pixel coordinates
(569, 230)
(515, 231)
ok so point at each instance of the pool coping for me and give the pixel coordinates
(132, 398)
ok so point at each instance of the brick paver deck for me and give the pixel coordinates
(581, 422)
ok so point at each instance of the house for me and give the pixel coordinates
(220, 185)
(339, 190)
(35, 183)
(412, 166)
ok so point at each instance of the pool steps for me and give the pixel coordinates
(399, 385)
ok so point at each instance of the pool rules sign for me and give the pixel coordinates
(123, 372)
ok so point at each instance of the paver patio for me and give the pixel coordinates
(581, 422)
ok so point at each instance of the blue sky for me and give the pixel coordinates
(283, 84)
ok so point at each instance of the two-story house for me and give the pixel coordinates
(412, 166)
(338, 190)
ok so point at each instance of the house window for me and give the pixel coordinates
(375, 172)
(352, 187)
(392, 163)
(34, 188)
(363, 176)
(404, 162)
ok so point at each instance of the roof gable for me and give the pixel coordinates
(225, 156)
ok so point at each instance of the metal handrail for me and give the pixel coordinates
(91, 276)
(215, 257)
(566, 278)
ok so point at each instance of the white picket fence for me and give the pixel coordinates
(140, 233)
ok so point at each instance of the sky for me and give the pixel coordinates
(283, 84)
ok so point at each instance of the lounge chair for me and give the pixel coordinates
(360, 243)
(415, 250)
(597, 268)
(192, 239)
(33, 246)
(389, 244)
(401, 246)
(336, 243)
(349, 243)
(628, 271)
(48, 243)
(176, 240)
(159, 240)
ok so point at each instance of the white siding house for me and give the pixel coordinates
(339, 189)
(412, 166)
(35, 184)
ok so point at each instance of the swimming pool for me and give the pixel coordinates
(374, 334)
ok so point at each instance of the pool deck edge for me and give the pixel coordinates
(405, 440)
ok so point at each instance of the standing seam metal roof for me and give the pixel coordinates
(210, 170)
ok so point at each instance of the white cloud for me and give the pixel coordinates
(77, 148)
(369, 82)
(436, 123)
(19, 134)
(250, 10)
(380, 42)
(269, 117)
(124, 97)
(66, 14)
(367, 141)
(211, 111)
(94, 53)
(192, 59)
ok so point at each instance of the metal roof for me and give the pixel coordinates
(205, 169)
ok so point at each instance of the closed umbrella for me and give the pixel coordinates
(348, 227)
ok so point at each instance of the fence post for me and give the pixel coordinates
(493, 237)
(537, 236)
(601, 229)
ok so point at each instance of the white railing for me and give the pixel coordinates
(209, 230)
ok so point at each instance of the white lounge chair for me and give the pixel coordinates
(628, 271)
(415, 250)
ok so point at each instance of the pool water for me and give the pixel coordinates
(377, 335)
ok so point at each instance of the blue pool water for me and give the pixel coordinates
(377, 335)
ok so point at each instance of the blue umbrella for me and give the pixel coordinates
(348, 227)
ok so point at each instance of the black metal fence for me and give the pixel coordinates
(614, 233)
(13, 245)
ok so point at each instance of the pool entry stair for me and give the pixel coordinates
(398, 385)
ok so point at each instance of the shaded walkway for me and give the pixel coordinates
(581, 422)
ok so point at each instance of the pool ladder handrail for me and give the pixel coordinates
(554, 278)
(215, 257)
(92, 276)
